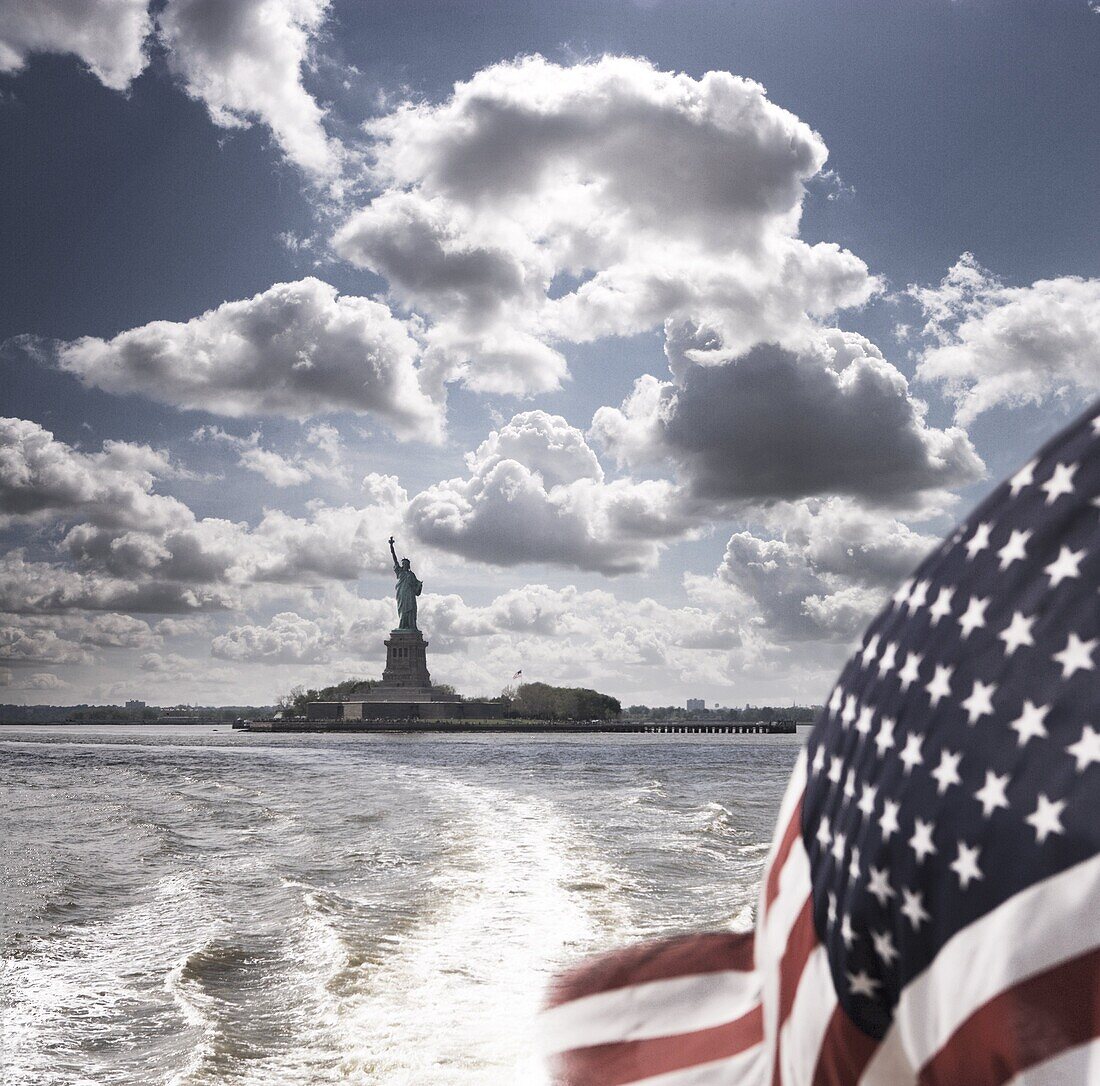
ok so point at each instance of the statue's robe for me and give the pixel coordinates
(408, 588)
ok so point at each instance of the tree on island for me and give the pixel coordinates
(299, 697)
(541, 701)
(800, 714)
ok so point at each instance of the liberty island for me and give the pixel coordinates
(407, 700)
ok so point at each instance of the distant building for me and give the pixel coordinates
(695, 705)
(135, 706)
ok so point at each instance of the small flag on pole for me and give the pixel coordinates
(517, 675)
(929, 910)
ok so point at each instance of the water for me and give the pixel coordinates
(195, 906)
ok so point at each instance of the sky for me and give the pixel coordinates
(664, 338)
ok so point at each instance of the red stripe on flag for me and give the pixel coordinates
(630, 1061)
(1024, 1025)
(845, 1052)
(790, 835)
(666, 959)
(800, 945)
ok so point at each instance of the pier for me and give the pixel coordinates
(568, 727)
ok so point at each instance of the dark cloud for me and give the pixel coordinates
(780, 423)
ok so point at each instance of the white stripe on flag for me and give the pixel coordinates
(658, 1008)
(795, 787)
(1025, 935)
(888, 1066)
(1075, 1065)
(745, 1069)
(800, 1038)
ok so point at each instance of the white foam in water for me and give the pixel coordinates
(71, 996)
(455, 997)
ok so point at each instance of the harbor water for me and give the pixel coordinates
(196, 906)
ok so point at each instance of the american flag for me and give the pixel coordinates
(930, 910)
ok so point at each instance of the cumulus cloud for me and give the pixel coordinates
(536, 493)
(296, 349)
(106, 35)
(127, 553)
(42, 477)
(287, 638)
(324, 461)
(823, 569)
(245, 61)
(37, 681)
(543, 203)
(28, 586)
(991, 344)
(128, 558)
(833, 416)
(31, 647)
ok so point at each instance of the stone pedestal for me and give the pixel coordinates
(406, 662)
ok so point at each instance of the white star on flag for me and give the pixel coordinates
(980, 701)
(991, 795)
(911, 755)
(966, 866)
(973, 618)
(913, 908)
(1029, 724)
(911, 671)
(1087, 749)
(1024, 477)
(1017, 633)
(979, 541)
(888, 823)
(866, 803)
(878, 885)
(1015, 550)
(1060, 482)
(884, 740)
(1046, 818)
(884, 947)
(1067, 564)
(863, 984)
(942, 607)
(940, 686)
(921, 841)
(1076, 656)
(947, 772)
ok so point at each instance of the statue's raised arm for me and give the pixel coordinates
(393, 554)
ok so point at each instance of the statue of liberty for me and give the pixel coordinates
(408, 588)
